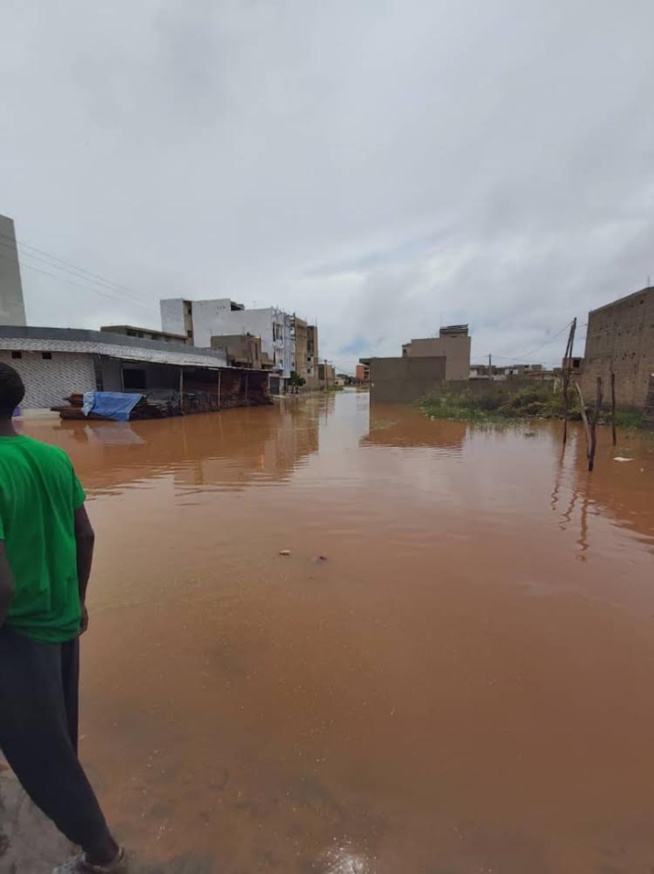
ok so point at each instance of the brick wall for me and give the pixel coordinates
(48, 381)
(620, 336)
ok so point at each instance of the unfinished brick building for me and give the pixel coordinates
(620, 337)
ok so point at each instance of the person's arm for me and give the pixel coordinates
(85, 539)
(6, 584)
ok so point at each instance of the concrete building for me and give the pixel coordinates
(301, 337)
(326, 374)
(145, 334)
(242, 350)
(312, 355)
(57, 361)
(362, 373)
(197, 320)
(202, 320)
(453, 343)
(620, 338)
(12, 306)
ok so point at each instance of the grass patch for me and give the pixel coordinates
(501, 405)
(540, 401)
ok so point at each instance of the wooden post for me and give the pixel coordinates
(567, 370)
(584, 418)
(219, 375)
(181, 390)
(247, 384)
(593, 432)
(615, 433)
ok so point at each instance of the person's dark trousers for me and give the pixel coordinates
(38, 733)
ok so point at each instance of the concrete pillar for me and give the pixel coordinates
(12, 306)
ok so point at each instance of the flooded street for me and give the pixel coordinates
(463, 683)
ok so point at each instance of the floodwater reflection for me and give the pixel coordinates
(452, 689)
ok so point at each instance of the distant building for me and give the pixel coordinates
(312, 354)
(620, 338)
(301, 336)
(326, 374)
(453, 343)
(12, 305)
(197, 320)
(362, 373)
(243, 350)
(204, 319)
(145, 334)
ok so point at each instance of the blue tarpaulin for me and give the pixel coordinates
(110, 404)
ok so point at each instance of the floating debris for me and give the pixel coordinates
(284, 551)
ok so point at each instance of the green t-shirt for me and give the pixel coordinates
(39, 493)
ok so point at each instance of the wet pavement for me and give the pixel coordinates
(462, 684)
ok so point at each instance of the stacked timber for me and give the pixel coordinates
(236, 388)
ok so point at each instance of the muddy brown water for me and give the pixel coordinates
(465, 684)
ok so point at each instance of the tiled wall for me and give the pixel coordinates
(48, 381)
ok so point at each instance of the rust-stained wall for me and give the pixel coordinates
(405, 380)
(620, 336)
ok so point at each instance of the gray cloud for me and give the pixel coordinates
(383, 166)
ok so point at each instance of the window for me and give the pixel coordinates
(15, 355)
(46, 356)
(133, 379)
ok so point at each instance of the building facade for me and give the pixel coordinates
(197, 320)
(54, 362)
(620, 338)
(453, 343)
(204, 319)
(312, 354)
(301, 338)
(12, 306)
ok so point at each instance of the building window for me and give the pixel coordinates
(15, 355)
(46, 356)
(133, 379)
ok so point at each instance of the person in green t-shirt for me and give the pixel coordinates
(46, 551)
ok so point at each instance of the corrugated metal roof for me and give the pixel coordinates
(111, 350)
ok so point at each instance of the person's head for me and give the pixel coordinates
(12, 391)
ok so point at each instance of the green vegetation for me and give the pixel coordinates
(540, 401)
(297, 381)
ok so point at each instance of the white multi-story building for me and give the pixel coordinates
(200, 320)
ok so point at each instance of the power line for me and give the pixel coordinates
(523, 355)
(78, 285)
(54, 262)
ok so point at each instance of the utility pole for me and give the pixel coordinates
(490, 366)
(567, 373)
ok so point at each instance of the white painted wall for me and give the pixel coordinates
(271, 324)
(213, 318)
(172, 315)
(207, 317)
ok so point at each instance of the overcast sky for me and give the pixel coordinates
(382, 166)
